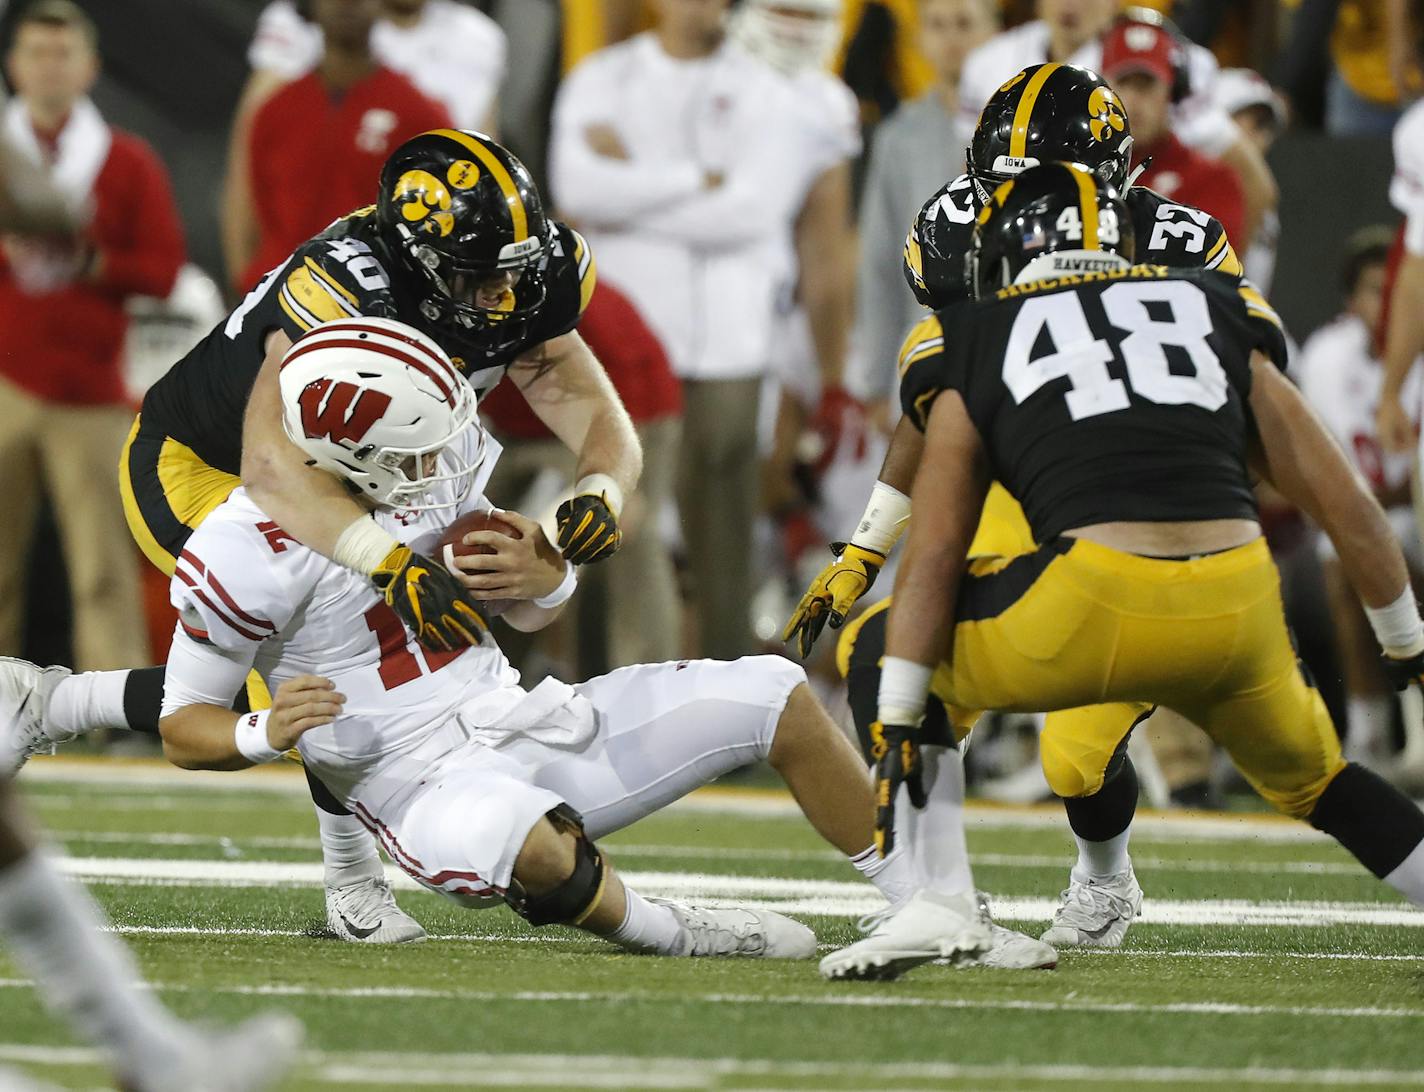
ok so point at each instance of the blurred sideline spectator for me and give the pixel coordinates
(1341, 376)
(914, 152)
(1138, 62)
(1260, 113)
(63, 411)
(453, 53)
(315, 147)
(1071, 31)
(682, 159)
(641, 608)
(1404, 296)
(1373, 48)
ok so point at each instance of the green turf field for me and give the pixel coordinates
(1265, 958)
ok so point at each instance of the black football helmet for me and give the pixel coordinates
(1059, 209)
(455, 210)
(1050, 113)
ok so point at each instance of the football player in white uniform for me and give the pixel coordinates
(479, 789)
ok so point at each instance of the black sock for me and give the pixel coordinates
(1369, 817)
(1109, 811)
(143, 699)
(322, 797)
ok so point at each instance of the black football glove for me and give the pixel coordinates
(588, 529)
(429, 600)
(832, 594)
(896, 750)
(1403, 673)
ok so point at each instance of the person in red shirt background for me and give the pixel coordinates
(642, 609)
(1139, 62)
(316, 146)
(63, 406)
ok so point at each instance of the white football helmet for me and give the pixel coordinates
(379, 404)
(791, 35)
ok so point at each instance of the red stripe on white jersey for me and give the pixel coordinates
(215, 585)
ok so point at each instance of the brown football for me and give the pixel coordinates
(452, 545)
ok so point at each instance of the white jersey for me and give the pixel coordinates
(1197, 120)
(453, 53)
(1341, 378)
(249, 595)
(1406, 188)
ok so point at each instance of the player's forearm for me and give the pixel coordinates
(569, 391)
(309, 504)
(202, 737)
(1303, 461)
(902, 458)
(1404, 339)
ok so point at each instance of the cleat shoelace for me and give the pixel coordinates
(1084, 905)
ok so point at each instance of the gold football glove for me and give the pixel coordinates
(832, 594)
(896, 750)
(429, 600)
(588, 529)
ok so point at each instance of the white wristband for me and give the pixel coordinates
(560, 595)
(884, 520)
(904, 686)
(363, 546)
(1398, 627)
(602, 483)
(250, 736)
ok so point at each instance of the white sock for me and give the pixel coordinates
(1368, 717)
(85, 702)
(648, 927)
(1101, 860)
(1408, 876)
(348, 849)
(893, 875)
(83, 974)
(934, 835)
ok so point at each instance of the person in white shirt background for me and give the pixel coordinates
(451, 52)
(1340, 373)
(684, 160)
(1070, 31)
(1404, 336)
(1260, 113)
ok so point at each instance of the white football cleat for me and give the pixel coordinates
(1096, 914)
(251, 1057)
(25, 690)
(1011, 951)
(924, 927)
(755, 934)
(365, 912)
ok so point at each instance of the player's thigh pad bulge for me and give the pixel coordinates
(461, 833)
(666, 729)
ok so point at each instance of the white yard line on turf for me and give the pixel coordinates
(617, 849)
(603, 1070)
(793, 896)
(559, 938)
(742, 1000)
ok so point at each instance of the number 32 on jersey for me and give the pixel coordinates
(1153, 315)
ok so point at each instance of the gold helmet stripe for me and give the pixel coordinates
(1088, 206)
(1018, 139)
(498, 172)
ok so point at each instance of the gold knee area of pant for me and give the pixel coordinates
(1076, 745)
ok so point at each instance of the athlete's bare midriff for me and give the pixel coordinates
(1171, 539)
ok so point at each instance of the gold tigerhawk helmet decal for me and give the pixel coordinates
(420, 195)
(1105, 113)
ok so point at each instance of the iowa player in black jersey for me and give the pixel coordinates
(458, 246)
(1127, 406)
(1046, 112)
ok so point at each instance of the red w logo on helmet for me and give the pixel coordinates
(341, 412)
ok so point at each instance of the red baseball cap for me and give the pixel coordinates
(1138, 47)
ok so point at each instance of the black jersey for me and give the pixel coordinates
(1105, 396)
(340, 273)
(937, 248)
